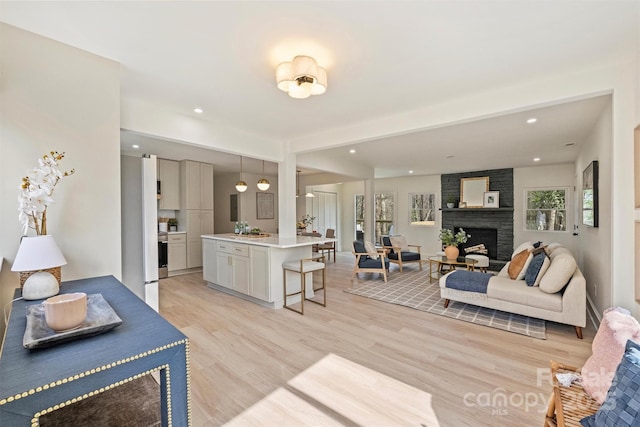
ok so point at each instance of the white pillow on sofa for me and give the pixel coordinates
(562, 267)
(525, 245)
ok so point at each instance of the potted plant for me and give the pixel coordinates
(173, 224)
(451, 241)
(451, 201)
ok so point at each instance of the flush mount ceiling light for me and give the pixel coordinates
(532, 120)
(301, 77)
(241, 186)
(263, 183)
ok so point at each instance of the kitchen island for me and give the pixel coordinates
(251, 267)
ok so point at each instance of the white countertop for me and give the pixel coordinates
(177, 232)
(274, 240)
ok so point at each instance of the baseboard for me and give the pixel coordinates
(593, 313)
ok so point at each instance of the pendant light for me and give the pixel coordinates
(263, 183)
(241, 186)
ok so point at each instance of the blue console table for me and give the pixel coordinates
(36, 382)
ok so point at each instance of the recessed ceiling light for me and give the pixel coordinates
(198, 110)
(410, 171)
(532, 120)
(536, 159)
(136, 146)
(352, 151)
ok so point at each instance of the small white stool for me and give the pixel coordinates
(304, 266)
(483, 262)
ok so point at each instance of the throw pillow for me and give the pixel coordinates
(622, 406)
(616, 328)
(400, 242)
(537, 267)
(562, 267)
(371, 249)
(518, 263)
(525, 245)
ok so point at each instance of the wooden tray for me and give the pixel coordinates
(255, 236)
(100, 318)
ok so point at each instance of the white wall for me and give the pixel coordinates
(426, 236)
(55, 97)
(595, 243)
(561, 175)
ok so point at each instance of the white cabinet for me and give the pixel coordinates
(259, 271)
(196, 204)
(232, 266)
(177, 252)
(197, 185)
(206, 186)
(197, 223)
(209, 267)
(169, 177)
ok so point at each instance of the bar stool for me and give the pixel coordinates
(304, 266)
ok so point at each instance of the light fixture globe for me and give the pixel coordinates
(263, 184)
(241, 186)
(301, 78)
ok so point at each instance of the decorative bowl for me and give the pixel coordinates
(66, 311)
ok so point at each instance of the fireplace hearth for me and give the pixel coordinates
(480, 236)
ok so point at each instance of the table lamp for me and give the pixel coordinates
(37, 254)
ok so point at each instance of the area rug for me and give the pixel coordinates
(412, 289)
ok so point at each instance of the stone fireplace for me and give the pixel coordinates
(484, 224)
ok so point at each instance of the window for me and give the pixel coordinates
(359, 203)
(383, 215)
(546, 209)
(422, 208)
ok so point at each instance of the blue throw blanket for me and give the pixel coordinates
(470, 281)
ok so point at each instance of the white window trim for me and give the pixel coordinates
(433, 223)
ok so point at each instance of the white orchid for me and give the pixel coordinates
(36, 191)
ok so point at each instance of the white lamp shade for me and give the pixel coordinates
(38, 253)
(284, 76)
(304, 66)
(320, 86)
(299, 91)
(263, 184)
(241, 186)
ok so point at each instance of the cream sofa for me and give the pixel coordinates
(559, 297)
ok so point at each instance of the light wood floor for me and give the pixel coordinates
(256, 366)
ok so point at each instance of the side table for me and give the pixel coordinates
(40, 381)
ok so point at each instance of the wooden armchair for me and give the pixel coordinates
(366, 264)
(400, 257)
(568, 405)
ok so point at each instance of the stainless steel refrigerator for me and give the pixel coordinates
(140, 227)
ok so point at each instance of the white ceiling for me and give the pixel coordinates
(382, 58)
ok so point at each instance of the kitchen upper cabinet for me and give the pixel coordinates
(197, 185)
(169, 177)
(206, 186)
(196, 206)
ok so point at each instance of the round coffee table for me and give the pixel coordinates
(441, 261)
